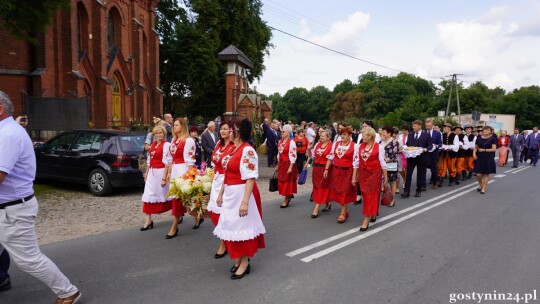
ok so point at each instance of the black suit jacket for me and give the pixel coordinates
(208, 144)
(423, 141)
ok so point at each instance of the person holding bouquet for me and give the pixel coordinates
(320, 176)
(223, 147)
(183, 158)
(240, 224)
(344, 158)
(287, 170)
(156, 178)
(371, 169)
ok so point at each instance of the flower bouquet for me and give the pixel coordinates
(193, 188)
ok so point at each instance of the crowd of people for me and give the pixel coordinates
(348, 167)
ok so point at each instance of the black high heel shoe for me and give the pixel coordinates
(373, 219)
(180, 221)
(234, 268)
(148, 227)
(219, 256)
(199, 224)
(326, 209)
(287, 205)
(168, 237)
(239, 276)
(364, 229)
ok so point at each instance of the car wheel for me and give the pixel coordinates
(99, 183)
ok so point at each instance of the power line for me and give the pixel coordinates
(324, 29)
(342, 53)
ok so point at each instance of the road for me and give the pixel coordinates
(451, 241)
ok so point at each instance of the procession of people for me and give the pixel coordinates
(345, 164)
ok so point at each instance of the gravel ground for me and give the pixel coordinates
(70, 211)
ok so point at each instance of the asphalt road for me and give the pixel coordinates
(451, 241)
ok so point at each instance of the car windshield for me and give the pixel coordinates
(131, 144)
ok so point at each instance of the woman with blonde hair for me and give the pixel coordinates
(321, 177)
(156, 178)
(183, 158)
(287, 170)
(371, 169)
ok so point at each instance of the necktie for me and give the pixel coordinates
(417, 135)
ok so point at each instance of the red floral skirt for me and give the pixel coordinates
(245, 248)
(341, 189)
(321, 185)
(287, 182)
(370, 185)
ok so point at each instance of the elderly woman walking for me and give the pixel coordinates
(287, 170)
(320, 176)
(371, 169)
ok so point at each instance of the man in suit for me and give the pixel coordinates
(525, 153)
(168, 126)
(436, 140)
(270, 132)
(421, 140)
(334, 130)
(533, 143)
(516, 144)
(209, 139)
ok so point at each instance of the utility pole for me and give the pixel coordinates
(453, 83)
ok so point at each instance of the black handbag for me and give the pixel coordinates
(273, 185)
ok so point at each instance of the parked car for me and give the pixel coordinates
(102, 159)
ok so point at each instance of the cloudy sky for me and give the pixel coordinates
(496, 42)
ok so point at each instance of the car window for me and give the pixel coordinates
(88, 143)
(132, 144)
(60, 143)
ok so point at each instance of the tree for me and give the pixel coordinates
(192, 76)
(319, 104)
(348, 105)
(343, 87)
(26, 19)
(524, 102)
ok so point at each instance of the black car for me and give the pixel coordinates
(103, 159)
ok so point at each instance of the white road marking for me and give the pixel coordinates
(508, 171)
(524, 168)
(379, 229)
(499, 175)
(379, 220)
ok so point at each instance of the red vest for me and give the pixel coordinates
(346, 159)
(156, 155)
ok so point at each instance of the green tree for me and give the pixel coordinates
(26, 19)
(319, 104)
(343, 87)
(191, 75)
(347, 105)
(524, 103)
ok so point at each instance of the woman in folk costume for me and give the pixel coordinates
(371, 169)
(223, 147)
(183, 158)
(320, 176)
(344, 158)
(240, 223)
(156, 178)
(287, 170)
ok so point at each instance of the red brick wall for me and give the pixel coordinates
(58, 55)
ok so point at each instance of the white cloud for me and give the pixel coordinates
(468, 46)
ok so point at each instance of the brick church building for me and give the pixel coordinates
(97, 65)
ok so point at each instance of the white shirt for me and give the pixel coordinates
(310, 134)
(213, 136)
(17, 160)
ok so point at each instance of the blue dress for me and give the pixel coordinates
(485, 162)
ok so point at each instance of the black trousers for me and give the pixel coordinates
(4, 265)
(524, 154)
(421, 166)
(271, 154)
(300, 161)
(433, 159)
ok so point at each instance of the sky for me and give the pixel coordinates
(496, 42)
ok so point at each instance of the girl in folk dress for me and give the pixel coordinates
(240, 223)
(344, 157)
(321, 177)
(371, 169)
(287, 171)
(224, 147)
(156, 182)
(183, 158)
